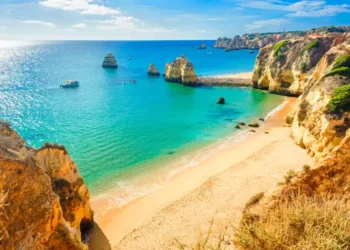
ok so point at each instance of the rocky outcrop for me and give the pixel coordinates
(47, 203)
(223, 81)
(260, 40)
(181, 71)
(110, 62)
(152, 71)
(286, 67)
(202, 46)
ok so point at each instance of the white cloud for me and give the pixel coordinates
(304, 8)
(85, 7)
(79, 26)
(266, 23)
(129, 23)
(46, 24)
(201, 31)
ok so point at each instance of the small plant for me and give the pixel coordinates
(306, 168)
(278, 46)
(343, 61)
(340, 99)
(304, 67)
(288, 177)
(313, 44)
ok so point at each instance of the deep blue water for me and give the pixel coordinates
(115, 131)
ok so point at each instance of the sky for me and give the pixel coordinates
(162, 19)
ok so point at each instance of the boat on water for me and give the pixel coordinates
(251, 51)
(70, 84)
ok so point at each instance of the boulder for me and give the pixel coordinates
(110, 61)
(253, 125)
(181, 71)
(152, 71)
(221, 100)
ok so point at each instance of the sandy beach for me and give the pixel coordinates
(214, 190)
(244, 75)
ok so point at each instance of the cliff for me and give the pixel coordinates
(181, 70)
(260, 40)
(46, 203)
(286, 67)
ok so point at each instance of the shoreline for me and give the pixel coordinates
(117, 223)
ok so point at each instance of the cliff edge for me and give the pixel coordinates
(46, 203)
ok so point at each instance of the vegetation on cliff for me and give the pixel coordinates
(343, 61)
(278, 46)
(340, 99)
(313, 44)
(302, 222)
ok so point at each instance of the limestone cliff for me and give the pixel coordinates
(181, 70)
(314, 126)
(286, 67)
(152, 70)
(47, 203)
(260, 40)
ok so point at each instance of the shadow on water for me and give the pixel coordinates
(97, 239)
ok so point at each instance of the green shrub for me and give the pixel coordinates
(342, 71)
(278, 47)
(304, 67)
(313, 44)
(343, 61)
(299, 223)
(340, 99)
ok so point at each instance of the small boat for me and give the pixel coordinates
(70, 84)
(251, 51)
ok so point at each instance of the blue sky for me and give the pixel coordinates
(162, 19)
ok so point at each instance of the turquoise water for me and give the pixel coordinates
(114, 131)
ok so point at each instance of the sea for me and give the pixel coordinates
(127, 137)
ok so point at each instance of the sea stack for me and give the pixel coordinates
(152, 71)
(181, 71)
(221, 100)
(110, 62)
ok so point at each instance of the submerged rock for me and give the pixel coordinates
(152, 70)
(202, 46)
(110, 61)
(46, 200)
(181, 71)
(237, 127)
(242, 123)
(70, 84)
(221, 100)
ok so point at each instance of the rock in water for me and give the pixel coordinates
(202, 46)
(152, 70)
(253, 125)
(110, 62)
(46, 200)
(181, 71)
(70, 84)
(221, 100)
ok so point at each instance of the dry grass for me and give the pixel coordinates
(317, 223)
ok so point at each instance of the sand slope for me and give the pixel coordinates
(221, 198)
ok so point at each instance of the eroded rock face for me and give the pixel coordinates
(47, 202)
(313, 127)
(288, 70)
(181, 71)
(152, 70)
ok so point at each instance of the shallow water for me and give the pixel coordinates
(117, 132)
